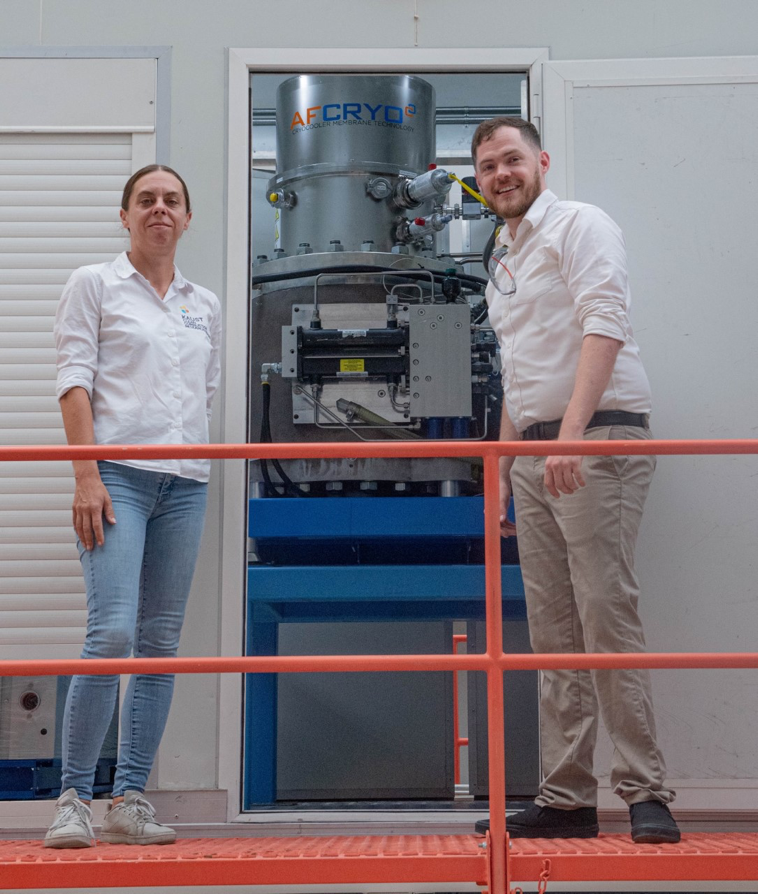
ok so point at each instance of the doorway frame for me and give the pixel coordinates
(242, 62)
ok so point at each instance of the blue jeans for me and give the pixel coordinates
(137, 588)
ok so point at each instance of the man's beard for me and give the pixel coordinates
(530, 192)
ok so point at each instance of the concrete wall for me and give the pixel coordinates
(199, 32)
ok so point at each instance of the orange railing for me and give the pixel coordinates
(493, 661)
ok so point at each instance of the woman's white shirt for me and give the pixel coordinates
(150, 366)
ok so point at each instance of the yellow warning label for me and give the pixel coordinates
(352, 365)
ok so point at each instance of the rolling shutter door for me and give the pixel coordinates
(59, 200)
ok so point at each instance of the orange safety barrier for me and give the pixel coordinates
(392, 859)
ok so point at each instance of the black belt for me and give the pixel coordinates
(548, 431)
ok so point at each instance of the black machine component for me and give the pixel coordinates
(329, 352)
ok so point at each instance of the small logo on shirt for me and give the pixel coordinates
(191, 322)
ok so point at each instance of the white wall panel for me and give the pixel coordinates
(40, 96)
(639, 138)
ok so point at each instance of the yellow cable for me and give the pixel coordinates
(468, 189)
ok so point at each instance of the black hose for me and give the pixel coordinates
(418, 273)
(290, 488)
(265, 438)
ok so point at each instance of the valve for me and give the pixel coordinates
(430, 185)
(281, 199)
(433, 223)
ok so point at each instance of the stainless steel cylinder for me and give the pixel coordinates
(336, 134)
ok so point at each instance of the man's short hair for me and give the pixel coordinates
(487, 128)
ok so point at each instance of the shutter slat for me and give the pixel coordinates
(41, 533)
(78, 152)
(39, 602)
(21, 353)
(36, 387)
(26, 325)
(40, 213)
(38, 552)
(55, 260)
(43, 469)
(11, 371)
(65, 197)
(21, 404)
(64, 139)
(20, 437)
(11, 309)
(23, 184)
(32, 277)
(57, 246)
(64, 167)
(23, 519)
(20, 338)
(46, 229)
(47, 502)
(41, 636)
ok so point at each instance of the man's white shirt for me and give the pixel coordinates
(150, 366)
(568, 261)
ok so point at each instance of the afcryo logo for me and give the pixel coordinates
(353, 113)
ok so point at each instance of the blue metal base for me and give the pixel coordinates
(376, 593)
(420, 547)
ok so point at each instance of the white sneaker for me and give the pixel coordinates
(72, 824)
(133, 822)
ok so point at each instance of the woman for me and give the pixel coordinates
(138, 362)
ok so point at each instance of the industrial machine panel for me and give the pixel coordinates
(440, 352)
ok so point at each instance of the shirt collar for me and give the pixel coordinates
(124, 269)
(533, 218)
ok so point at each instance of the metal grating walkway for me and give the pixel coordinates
(698, 857)
(372, 859)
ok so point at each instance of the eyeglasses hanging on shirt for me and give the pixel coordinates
(501, 276)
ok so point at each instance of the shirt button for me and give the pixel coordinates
(172, 333)
(176, 395)
(175, 362)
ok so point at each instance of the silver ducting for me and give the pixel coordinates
(346, 146)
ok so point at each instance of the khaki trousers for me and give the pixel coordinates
(577, 560)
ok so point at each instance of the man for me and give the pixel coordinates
(559, 304)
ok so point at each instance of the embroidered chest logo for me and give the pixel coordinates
(191, 322)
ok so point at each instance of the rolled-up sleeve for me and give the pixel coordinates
(593, 265)
(77, 332)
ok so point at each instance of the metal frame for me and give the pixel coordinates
(242, 62)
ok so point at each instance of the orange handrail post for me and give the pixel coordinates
(458, 742)
(493, 592)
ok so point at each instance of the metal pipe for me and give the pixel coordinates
(422, 448)
(493, 597)
(458, 742)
